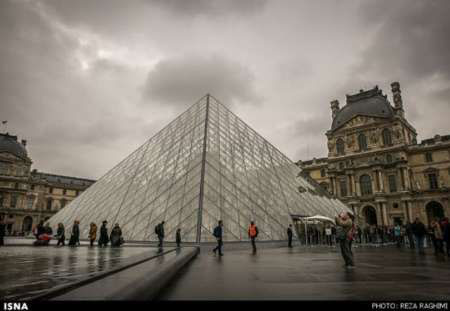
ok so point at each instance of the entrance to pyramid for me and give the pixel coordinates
(206, 165)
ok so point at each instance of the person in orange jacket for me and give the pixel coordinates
(252, 234)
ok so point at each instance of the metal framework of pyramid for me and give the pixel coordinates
(206, 165)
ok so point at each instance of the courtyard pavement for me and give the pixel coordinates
(27, 271)
(384, 273)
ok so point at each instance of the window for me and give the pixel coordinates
(50, 190)
(340, 147)
(366, 185)
(49, 204)
(343, 186)
(63, 203)
(14, 200)
(322, 172)
(428, 157)
(30, 201)
(395, 205)
(16, 186)
(77, 192)
(362, 142)
(3, 168)
(341, 165)
(389, 158)
(432, 179)
(392, 183)
(1, 200)
(387, 137)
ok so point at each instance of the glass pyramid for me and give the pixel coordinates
(206, 165)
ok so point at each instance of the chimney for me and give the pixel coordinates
(24, 142)
(397, 95)
(334, 108)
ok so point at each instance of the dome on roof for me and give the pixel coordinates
(10, 144)
(370, 103)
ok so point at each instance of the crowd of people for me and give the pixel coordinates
(44, 234)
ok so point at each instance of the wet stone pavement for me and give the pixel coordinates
(27, 271)
(313, 274)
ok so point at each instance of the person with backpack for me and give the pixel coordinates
(419, 231)
(104, 238)
(75, 237)
(159, 231)
(345, 236)
(60, 234)
(92, 233)
(397, 234)
(289, 234)
(252, 234)
(218, 235)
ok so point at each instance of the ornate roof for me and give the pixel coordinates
(9, 143)
(368, 103)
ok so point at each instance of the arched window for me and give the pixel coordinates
(362, 142)
(340, 148)
(366, 184)
(387, 137)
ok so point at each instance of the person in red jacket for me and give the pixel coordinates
(252, 234)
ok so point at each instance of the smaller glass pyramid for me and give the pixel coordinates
(206, 165)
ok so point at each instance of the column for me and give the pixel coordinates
(335, 191)
(377, 181)
(406, 178)
(384, 213)
(354, 185)
(408, 211)
(380, 176)
(402, 179)
(374, 184)
(350, 185)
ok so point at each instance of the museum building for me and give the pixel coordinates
(376, 166)
(29, 196)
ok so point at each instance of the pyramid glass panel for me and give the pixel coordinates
(206, 165)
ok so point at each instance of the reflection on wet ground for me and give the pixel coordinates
(27, 271)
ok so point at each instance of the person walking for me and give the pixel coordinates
(92, 233)
(75, 237)
(178, 237)
(252, 234)
(2, 230)
(116, 236)
(410, 235)
(397, 234)
(328, 235)
(446, 234)
(437, 237)
(218, 235)
(289, 234)
(345, 235)
(104, 239)
(419, 231)
(159, 230)
(39, 230)
(60, 234)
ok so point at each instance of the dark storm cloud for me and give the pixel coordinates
(182, 81)
(412, 38)
(211, 7)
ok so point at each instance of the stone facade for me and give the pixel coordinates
(27, 197)
(376, 166)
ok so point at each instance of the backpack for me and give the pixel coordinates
(157, 229)
(340, 233)
(216, 232)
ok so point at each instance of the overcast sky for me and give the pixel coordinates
(88, 81)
